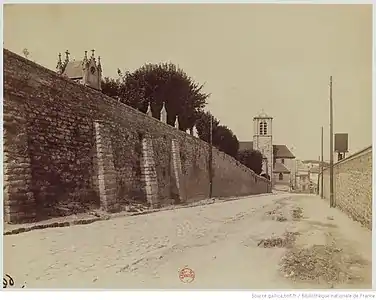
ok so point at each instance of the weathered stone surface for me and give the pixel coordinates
(66, 143)
(353, 186)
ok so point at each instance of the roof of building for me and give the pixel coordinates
(302, 174)
(315, 162)
(315, 169)
(73, 69)
(281, 150)
(262, 115)
(280, 168)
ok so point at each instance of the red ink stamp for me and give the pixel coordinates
(186, 275)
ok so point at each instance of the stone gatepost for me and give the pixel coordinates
(106, 173)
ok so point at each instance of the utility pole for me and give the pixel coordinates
(318, 178)
(322, 164)
(296, 173)
(211, 158)
(331, 146)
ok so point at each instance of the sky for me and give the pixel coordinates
(252, 57)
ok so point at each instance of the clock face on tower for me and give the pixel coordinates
(92, 70)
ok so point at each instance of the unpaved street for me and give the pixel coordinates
(280, 241)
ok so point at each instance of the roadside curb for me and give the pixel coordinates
(86, 221)
(52, 225)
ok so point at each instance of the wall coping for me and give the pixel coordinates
(351, 157)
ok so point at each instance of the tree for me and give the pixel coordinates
(156, 84)
(203, 125)
(251, 159)
(111, 87)
(223, 138)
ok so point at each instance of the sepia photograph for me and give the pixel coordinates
(187, 146)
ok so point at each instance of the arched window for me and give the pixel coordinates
(263, 128)
(280, 176)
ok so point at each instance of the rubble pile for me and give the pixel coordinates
(297, 214)
(286, 241)
(321, 263)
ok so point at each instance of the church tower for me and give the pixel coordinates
(263, 141)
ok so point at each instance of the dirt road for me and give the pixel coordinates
(278, 241)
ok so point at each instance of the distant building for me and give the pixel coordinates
(277, 159)
(308, 175)
(302, 177)
(86, 71)
(314, 172)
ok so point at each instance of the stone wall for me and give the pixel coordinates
(353, 186)
(70, 149)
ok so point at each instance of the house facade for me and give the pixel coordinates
(277, 159)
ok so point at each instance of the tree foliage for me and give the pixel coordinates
(223, 138)
(226, 140)
(251, 159)
(156, 84)
(203, 125)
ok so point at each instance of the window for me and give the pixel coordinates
(263, 128)
(280, 176)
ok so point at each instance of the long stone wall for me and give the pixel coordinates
(353, 186)
(69, 149)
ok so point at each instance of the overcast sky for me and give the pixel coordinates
(251, 57)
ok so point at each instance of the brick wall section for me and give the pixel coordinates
(60, 160)
(353, 186)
